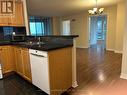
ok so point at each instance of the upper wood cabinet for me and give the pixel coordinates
(14, 20)
(4, 21)
(18, 19)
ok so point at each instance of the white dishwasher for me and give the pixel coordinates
(40, 69)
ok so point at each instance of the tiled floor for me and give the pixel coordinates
(15, 85)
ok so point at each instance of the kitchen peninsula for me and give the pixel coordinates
(47, 62)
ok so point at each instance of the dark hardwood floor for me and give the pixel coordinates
(98, 72)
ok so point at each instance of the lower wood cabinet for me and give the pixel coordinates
(58, 63)
(26, 64)
(15, 59)
(60, 70)
(7, 59)
(18, 61)
(22, 61)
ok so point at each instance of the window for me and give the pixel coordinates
(66, 27)
(39, 26)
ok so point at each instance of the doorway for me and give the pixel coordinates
(98, 29)
(66, 27)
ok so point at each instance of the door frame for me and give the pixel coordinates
(89, 28)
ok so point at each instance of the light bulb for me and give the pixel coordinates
(13, 33)
(101, 10)
(90, 11)
(94, 9)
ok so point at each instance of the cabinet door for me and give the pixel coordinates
(18, 61)
(7, 59)
(4, 20)
(18, 19)
(11, 58)
(4, 60)
(26, 64)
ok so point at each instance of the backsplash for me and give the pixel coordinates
(6, 32)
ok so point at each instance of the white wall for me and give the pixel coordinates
(79, 24)
(111, 13)
(120, 27)
(124, 61)
(56, 25)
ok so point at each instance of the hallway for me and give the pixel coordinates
(98, 72)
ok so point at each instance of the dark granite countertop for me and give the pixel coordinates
(44, 47)
(55, 36)
(50, 42)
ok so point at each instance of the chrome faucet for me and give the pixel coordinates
(39, 40)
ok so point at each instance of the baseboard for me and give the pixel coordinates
(81, 47)
(118, 52)
(115, 51)
(123, 76)
(75, 84)
(110, 49)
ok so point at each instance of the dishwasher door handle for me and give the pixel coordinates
(37, 55)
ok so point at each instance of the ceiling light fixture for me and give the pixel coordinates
(96, 10)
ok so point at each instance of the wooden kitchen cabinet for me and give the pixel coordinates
(5, 21)
(17, 19)
(23, 62)
(26, 64)
(7, 59)
(18, 61)
(60, 70)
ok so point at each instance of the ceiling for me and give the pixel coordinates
(63, 7)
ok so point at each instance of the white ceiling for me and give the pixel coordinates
(63, 7)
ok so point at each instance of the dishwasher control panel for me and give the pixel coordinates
(38, 52)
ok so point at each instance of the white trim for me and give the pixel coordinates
(81, 47)
(124, 58)
(115, 51)
(110, 49)
(118, 52)
(26, 21)
(74, 66)
(123, 76)
(74, 85)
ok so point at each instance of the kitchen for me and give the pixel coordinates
(46, 62)
(45, 47)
